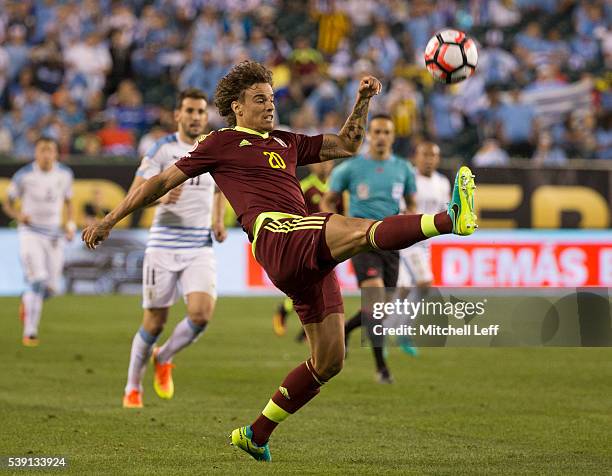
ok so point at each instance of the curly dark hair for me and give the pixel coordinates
(233, 85)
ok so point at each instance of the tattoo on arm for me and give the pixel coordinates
(350, 137)
(353, 130)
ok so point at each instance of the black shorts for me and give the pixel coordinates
(377, 264)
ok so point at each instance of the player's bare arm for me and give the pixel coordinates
(10, 210)
(146, 193)
(69, 225)
(329, 201)
(410, 199)
(347, 142)
(218, 223)
(171, 197)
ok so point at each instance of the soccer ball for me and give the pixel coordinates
(451, 56)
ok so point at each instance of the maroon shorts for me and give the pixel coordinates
(297, 259)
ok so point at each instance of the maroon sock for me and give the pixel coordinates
(401, 231)
(300, 386)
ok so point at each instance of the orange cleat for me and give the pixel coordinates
(132, 399)
(162, 381)
(30, 341)
(278, 324)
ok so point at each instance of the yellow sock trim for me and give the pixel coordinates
(427, 226)
(274, 412)
(371, 235)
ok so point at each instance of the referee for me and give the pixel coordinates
(376, 182)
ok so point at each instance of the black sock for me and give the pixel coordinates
(377, 342)
(352, 324)
(379, 358)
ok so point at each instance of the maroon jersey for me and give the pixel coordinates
(256, 172)
(314, 189)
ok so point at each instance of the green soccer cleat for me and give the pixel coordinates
(405, 343)
(461, 206)
(242, 438)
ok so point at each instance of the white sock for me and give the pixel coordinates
(32, 302)
(184, 334)
(142, 346)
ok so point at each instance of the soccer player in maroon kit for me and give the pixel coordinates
(254, 166)
(314, 187)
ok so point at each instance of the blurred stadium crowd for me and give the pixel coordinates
(100, 76)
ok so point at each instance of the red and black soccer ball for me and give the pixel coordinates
(451, 56)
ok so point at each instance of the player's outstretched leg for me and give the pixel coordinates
(347, 237)
(302, 384)
(142, 348)
(200, 308)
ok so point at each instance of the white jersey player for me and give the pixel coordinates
(44, 188)
(432, 196)
(179, 254)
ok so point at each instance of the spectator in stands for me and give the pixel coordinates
(403, 103)
(584, 52)
(259, 47)
(204, 72)
(334, 25)
(579, 140)
(90, 58)
(48, 67)
(16, 88)
(603, 137)
(444, 119)
(496, 64)
(547, 152)
(381, 46)
(116, 141)
(69, 26)
(35, 106)
(516, 122)
(23, 146)
(45, 15)
(305, 63)
(18, 51)
(504, 13)
(546, 79)
(206, 32)
(121, 56)
(13, 122)
(88, 144)
(490, 155)
(146, 65)
(325, 98)
(126, 107)
(421, 23)
(589, 18)
(530, 46)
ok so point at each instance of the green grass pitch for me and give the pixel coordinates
(451, 411)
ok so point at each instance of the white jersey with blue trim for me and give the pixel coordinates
(184, 225)
(42, 194)
(433, 193)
